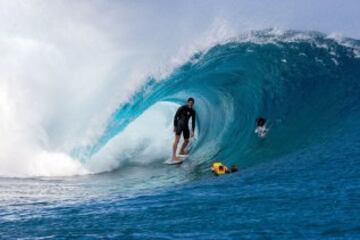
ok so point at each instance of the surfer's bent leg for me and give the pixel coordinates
(176, 142)
(186, 134)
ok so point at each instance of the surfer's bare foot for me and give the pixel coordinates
(175, 158)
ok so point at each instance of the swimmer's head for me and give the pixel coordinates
(260, 122)
(190, 102)
(234, 168)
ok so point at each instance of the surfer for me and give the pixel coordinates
(181, 125)
(261, 129)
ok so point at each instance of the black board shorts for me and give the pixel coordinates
(184, 130)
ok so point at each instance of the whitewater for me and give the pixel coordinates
(86, 120)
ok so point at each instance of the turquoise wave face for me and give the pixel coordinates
(308, 88)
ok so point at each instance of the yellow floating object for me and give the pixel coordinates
(218, 168)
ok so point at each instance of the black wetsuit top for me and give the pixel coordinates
(181, 120)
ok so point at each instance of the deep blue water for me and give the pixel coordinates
(302, 182)
(310, 194)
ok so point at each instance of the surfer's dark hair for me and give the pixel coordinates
(191, 99)
(260, 121)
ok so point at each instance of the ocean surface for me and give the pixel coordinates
(301, 182)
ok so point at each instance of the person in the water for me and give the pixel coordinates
(218, 168)
(181, 126)
(261, 129)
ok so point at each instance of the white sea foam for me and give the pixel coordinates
(146, 139)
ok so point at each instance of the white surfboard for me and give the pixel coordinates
(182, 158)
(172, 162)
